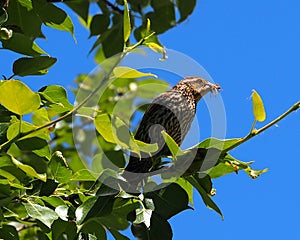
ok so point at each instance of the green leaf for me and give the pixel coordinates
(127, 72)
(59, 168)
(36, 145)
(8, 232)
(81, 7)
(63, 230)
(220, 144)
(160, 229)
(40, 117)
(56, 97)
(94, 207)
(187, 187)
(95, 228)
(114, 130)
(143, 216)
(33, 66)
(99, 24)
(53, 16)
(169, 201)
(62, 212)
(258, 107)
(23, 44)
(3, 16)
(112, 41)
(23, 18)
(127, 25)
(29, 170)
(185, 8)
(83, 175)
(117, 235)
(205, 196)
(172, 145)
(104, 127)
(54, 201)
(149, 88)
(163, 16)
(44, 214)
(18, 98)
(220, 170)
(14, 129)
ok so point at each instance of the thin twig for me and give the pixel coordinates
(113, 7)
(255, 132)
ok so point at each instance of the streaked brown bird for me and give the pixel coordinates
(172, 111)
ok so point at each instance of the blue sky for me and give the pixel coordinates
(243, 45)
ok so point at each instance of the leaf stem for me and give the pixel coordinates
(255, 132)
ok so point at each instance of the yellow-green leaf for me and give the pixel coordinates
(114, 130)
(29, 170)
(103, 126)
(258, 107)
(157, 48)
(148, 27)
(172, 145)
(18, 98)
(127, 26)
(127, 72)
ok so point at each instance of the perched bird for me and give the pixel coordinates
(173, 112)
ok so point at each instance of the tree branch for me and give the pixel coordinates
(255, 132)
(113, 7)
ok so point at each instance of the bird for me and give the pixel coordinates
(173, 112)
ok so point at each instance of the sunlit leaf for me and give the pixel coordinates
(83, 175)
(172, 145)
(143, 216)
(127, 72)
(57, 98)
(149, 88)
(127, 25)
(33, 66)
(258, 107)
(18, 98)
(157, 48)
(44, 214)
(220, 144)
(22, 127)
(114, 130)
(62, 212)
(255, 173)
(29, 170)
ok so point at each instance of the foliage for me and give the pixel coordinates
(47, 191)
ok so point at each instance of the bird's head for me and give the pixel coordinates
(197, 86)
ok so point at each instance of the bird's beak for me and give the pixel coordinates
(214, 88)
